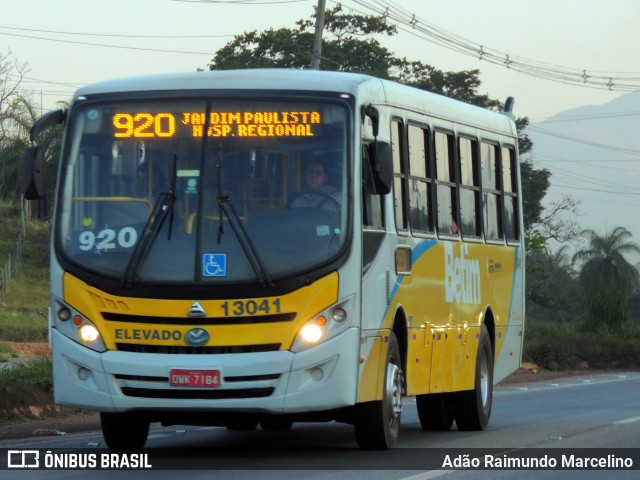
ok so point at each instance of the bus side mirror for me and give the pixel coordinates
(381, 158)
(46, 121)
(33, 179)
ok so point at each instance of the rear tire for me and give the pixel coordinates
(435, 411)
(473, 407)
(124, 431)
(377, 423)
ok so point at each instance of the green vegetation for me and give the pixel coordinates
(23, 307)
(568, 347)
(25, 384)
(584, 311)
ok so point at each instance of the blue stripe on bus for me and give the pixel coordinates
(416, 253)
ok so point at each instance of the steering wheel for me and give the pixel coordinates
(326, 197)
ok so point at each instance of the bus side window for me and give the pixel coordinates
(491, 191)
(399, 175)
(446, 184)
(421, 216)
(372, 203)
(469, 187)
(510, 189)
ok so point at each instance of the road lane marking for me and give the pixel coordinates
(429, 475)
(627, 420)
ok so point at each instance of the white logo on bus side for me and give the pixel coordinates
(461, 277)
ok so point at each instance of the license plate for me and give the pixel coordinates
(194, 378)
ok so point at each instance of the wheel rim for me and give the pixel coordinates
(393, 396)
(484, 379)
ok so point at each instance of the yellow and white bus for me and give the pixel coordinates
(244, 248)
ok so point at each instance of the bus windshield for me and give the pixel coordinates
(204, 190)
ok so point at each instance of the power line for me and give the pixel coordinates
(594, 116)
(579, 77)
(243, 2)
(112, 35)
(583, 141)
(107, 46)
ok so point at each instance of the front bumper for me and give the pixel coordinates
(320, 378)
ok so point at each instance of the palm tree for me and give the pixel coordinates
(608, 280)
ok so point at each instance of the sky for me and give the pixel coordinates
(71, 43)
(156, 36)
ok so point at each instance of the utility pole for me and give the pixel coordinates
(317, 38)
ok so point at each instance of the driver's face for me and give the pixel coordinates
(315, 177)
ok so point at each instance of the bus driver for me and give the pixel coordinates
(317, 193)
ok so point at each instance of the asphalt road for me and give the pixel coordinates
(564, 417)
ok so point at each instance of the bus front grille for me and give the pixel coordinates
(209, 394)
(213, 321)
(177, 349)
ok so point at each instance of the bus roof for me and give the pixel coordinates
(367, 88)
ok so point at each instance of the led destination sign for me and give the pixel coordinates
(221, 124)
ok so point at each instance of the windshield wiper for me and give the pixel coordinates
(226, 207)
(162, 208)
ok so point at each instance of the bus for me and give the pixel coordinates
(259, 248)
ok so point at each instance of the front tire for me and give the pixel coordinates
(124, 431)
(473, 407)
(377, 423)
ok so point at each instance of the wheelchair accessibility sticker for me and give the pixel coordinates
(214, 264)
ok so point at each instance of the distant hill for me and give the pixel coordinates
(593, 153)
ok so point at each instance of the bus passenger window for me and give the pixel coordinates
(421, 217)
(399, 181)
(372, 204)
(469, 188)
(446, 184)
(491, 192)
(510, 187)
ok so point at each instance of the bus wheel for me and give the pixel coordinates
(377, 423)
(473, 407)
(435, 411)
(124, 431)
(276, 424)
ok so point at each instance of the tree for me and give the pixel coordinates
(12, 140)
(552, 288)
(350, 48)
(607, 279)
(11, 74)
(17, 114)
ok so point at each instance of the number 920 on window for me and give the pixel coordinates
(107, 239)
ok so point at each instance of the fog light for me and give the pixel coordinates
(64, 314)
(311, 333)
(339, 315)
(89, 333)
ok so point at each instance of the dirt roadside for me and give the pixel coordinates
(51, 420)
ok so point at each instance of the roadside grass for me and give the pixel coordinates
(565, 347)
(24, 305)
(24, 380)
(25, 384)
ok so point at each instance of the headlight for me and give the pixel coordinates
(76, 326)
(311, 333)
(326, 324)
(88, 333)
